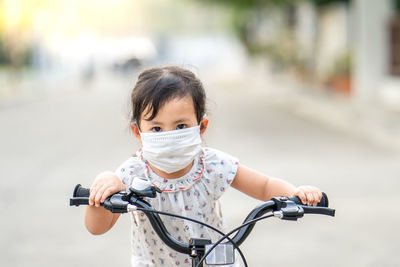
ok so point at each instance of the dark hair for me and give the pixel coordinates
(155, 86)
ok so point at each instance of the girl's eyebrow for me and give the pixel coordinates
(153, 122)
(158, 122)
(175, 122)
(181, 120)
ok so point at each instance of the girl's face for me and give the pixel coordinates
(175, 114)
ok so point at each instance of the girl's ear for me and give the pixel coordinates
(203, 126)
(136, 132)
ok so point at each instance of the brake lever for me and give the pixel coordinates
(117, 203)
(287, 209)
(150, 191)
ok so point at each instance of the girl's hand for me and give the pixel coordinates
(309, 195)
(105, 184)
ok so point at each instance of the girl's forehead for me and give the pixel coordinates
(177, 107)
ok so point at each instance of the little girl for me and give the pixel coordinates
(168, 119)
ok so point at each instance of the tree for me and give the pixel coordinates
(243, 11)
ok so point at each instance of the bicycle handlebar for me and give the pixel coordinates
(288, 208)
(118, 203)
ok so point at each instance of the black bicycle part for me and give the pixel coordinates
(272, 205)
(206, 225)
(228, 234)
(150, 191)
(198, 250)
(81, 198)
(119, 202)
(291, 208)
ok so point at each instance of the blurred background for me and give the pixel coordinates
(305, 90)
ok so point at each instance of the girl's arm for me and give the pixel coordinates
(97, 219)
(264, 188)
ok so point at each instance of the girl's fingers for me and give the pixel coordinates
(93, 192)
(302, 196)
(309, 195)
(108, 192)
(317, 198)
(310, 198)
(99, 195)
(104, 185)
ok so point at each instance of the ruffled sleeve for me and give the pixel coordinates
(220, 171)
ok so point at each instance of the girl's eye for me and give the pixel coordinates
(156, 129)
(181, 126)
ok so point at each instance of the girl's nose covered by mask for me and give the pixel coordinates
(171, 151)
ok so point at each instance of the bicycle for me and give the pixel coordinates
(200, 250)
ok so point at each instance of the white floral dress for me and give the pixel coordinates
(194, 195)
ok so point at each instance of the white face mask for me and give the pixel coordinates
(171, 151)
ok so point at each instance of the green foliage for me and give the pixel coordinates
(283, 51)
(321, 3)
(249, 4)
(397, 5)
(243, 10)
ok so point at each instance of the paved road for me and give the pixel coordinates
(50, 143)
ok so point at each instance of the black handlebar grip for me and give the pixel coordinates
(80, 191)
(80, 196)
(322, 203)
